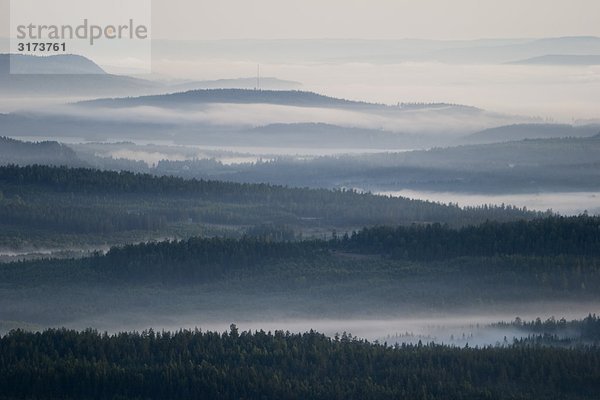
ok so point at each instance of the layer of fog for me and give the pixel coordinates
(556, 92)
(439, 120)
(565, 94)
(22, 252)
(152, 158)
(232, 155)
(567, 203)
(15, 104)
(475, 328)
(8, 255)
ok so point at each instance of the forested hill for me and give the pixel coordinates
(202, 259)
(244, 365)
(245, 96)
(52, 153)
(552, 236)
(59, 199)
(237, 96)
(376, 273)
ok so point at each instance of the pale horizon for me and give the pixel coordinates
(379, 19)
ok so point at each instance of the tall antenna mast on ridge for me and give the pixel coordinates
(257, 76)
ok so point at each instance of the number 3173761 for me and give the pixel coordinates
(42, 47)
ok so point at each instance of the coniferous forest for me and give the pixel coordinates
(405, 266)
(279, 365)
(56, 205)
(315, 200)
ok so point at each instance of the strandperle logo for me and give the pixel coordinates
(114, 34)
(85, 30)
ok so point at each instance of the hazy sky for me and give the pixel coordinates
(432, 19)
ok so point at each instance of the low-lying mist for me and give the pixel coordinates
(472, 327)
(567, 203)
(557, 92)
(445, 121)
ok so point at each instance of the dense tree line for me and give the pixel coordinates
(52, 153)
(257, 274)
(198, 259)
(65, 218)
(293, 205)
(243, 365)
(550, 236)
(586, 330)
(558, 252)
(529, 166)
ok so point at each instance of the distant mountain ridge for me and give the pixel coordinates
(236, 96)
(61, 64)
(507, 53)
(517, 132)
(380, 51)
(77, 76)
(63, 75)
(246, 96)
(561, 59)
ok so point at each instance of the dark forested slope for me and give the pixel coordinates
(52, 200)
(244, 365)
(52, 153)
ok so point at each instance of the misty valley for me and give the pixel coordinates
(282, 263)
(346, 230)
